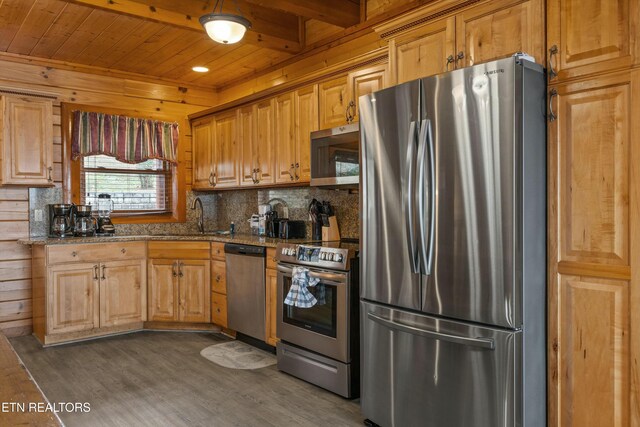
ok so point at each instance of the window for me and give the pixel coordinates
(134, 187)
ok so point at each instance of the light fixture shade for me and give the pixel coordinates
(225, 28)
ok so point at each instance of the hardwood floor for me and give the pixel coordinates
(159, 378)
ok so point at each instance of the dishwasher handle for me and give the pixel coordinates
(247, 250)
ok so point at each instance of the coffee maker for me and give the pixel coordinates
(105, 207)
(61, 220)
(85, 223)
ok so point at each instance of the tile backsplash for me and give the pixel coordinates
(221, 208)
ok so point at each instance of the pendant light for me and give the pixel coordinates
(225, 28)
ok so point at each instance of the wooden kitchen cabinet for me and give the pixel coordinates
(26, 139)
(285, 139)
(122, 292)
(333, 101)
(179, 290)
(257, 138)
(587, 37)
(271, 307)
(306, 121)
(593, 250)
(215, 152)
(88, 290)
(424, 51)
(218, 285)
(202, 161)
(363, 82)
(73, 303)
(225, 150)
(498, 29)
(179, 282)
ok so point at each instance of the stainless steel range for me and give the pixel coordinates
(320, 343)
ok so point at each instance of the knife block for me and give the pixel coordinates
(331, 232)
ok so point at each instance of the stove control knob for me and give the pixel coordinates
(284, 251)
(339, 258)
(322, 256)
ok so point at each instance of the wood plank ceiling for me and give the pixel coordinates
(162, 39)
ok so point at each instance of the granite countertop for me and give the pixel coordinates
(242, 238)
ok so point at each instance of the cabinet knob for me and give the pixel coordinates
(74, 254)
(123, 250)
(218, 278)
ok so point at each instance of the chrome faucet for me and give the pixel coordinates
(197, 202)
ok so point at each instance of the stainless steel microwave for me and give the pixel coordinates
(335, 157)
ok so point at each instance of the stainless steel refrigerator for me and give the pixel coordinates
(453, 258)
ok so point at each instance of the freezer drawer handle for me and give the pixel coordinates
(476, 342)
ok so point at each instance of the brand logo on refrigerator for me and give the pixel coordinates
(498, 71)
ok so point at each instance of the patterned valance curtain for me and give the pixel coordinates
(128, 139)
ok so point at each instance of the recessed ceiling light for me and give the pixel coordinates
(199, 69)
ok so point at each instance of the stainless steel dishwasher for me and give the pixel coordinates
(246, 289)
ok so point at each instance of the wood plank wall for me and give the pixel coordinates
(143, 98)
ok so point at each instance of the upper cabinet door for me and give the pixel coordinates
(264, 148)
(27, 141)
(285, 143)
(333, 102)
(499, 29)
(225, 151)
(202, 154)
(363, 82)
(306, 121)
(585, 37)
(429, 49)
(246, 118)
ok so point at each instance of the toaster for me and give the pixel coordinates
(289, 229)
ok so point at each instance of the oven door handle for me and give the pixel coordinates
(330, 277)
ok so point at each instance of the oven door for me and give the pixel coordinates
(323, 328)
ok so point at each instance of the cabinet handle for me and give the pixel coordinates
(450, 59)
(173, 269)
(552, 115)
(104, 267)
(296, 171)
(292, 167)
(95, 272)
(459, 56)
(50, 179)
(215, 180)
(350, 113)
(180, 269)
(211, 179)
(552, 72)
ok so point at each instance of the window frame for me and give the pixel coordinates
(71, 170)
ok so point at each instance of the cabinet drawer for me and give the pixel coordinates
(179, 250)
(271, 258)
(219, 309)
(95, 252)
(219, 277)
(217, 250)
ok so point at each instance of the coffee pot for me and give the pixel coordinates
(61, 220)
(85, 223)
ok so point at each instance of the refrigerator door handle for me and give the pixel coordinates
(486, 343)
(408, 198)
(426, 149)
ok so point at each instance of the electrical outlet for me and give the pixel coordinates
(38, 215)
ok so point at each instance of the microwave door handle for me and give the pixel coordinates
(408, 198)
(481, 342)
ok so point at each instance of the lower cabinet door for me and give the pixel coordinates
(163, 290)
(271, 304)
(195, 289)
(72, 300)
(219, 309)
(123, 296)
